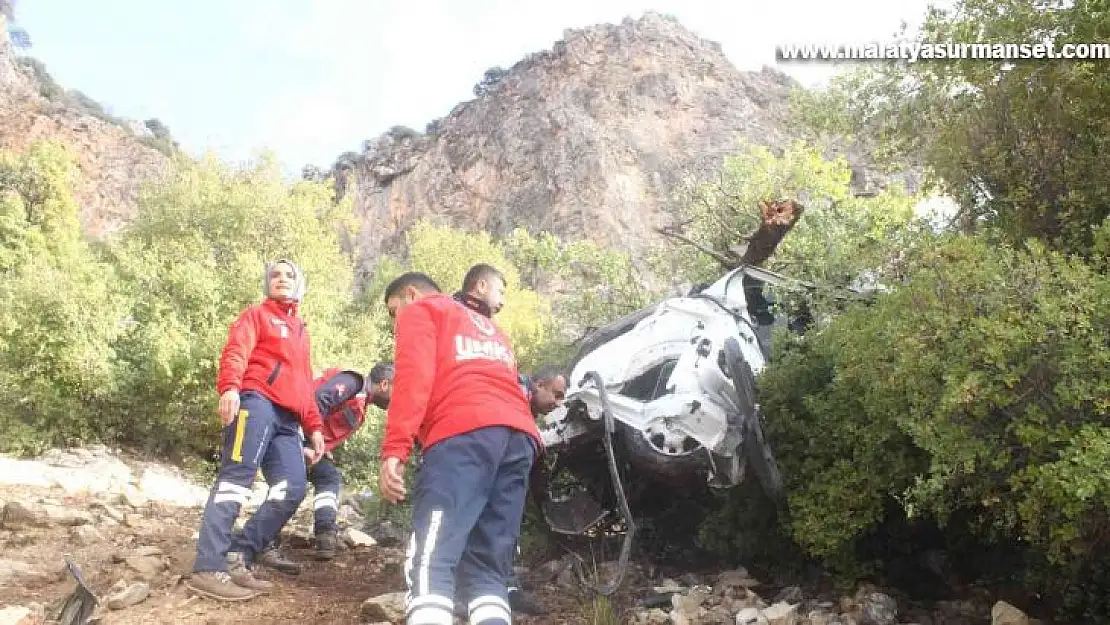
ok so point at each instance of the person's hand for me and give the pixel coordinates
(308, 453)
(229, 406)
(318, 448)
(391, 480)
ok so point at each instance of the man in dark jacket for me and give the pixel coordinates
(456, 393)
(342, 397)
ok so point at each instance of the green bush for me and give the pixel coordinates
(975, 394)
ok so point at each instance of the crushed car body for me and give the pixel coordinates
(673, 387)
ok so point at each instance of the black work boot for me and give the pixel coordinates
(326, 544)
(524, 603)
(272, 557)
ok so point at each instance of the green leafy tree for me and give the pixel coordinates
(61, 314)
(193, 260)
(1020, 144)
(975, 395)
(839, 240)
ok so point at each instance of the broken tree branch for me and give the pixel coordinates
(728, 262)
(777, 218)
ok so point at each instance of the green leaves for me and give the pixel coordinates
(1020, 144)
(978, 389)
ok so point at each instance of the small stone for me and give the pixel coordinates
(14, 615)
(16, 515)
(85, 535)
(128, 596)
(750, 616)
(878, 609)
(358, 538)
(790, 594)
(781, 614)
(736, 579)
(147, 567)
(388, 607)
(1005, 614)
(133, 497)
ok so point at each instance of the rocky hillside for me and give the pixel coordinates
(590, 138)
(114, 156)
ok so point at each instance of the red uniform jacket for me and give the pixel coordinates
(268, 351)
(344, 411)
(454, 372)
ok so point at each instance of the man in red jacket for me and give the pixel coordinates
(456, 393)
(266, 398)
(341, 400)
(344, 418)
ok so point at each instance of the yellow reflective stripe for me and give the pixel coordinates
(240, 430)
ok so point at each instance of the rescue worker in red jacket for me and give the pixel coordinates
(544, 391)
(266, 399)
(456, 393)
(342, 401)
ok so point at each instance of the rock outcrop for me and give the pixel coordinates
(591, 138)
(114, 159)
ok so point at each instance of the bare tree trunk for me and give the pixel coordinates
(778, 218)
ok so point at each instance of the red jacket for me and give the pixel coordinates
(342, 417)
(268, 351)
(454, 372)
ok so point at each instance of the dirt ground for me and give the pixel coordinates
(323, 594)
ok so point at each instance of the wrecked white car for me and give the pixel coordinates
(669, 392)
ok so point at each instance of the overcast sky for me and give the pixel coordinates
(312, 79)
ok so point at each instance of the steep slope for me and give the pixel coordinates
(113, 158)
(590, 138)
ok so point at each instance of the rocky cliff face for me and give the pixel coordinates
(113, 158)
(588, 139)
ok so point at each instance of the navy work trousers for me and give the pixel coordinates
(468, 502)
(326, 483)
(262, 436)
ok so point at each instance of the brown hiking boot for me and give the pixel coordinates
(326, 544)
(272, 557)
(242, 576)
(218, 585)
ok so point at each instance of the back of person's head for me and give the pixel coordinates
(381, 372)
(415, 279)
(546, 373)
(479, 272)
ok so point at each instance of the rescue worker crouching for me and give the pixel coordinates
(340, 398)
(266, 400)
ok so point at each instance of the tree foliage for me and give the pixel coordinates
(978, 391)
(1020, 144)
(61, 315)
(840, 240)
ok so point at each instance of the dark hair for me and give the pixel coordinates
(546, 373)
(413, 278)
(381, 371)
(481, 271)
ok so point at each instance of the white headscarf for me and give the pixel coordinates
(299, 286)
